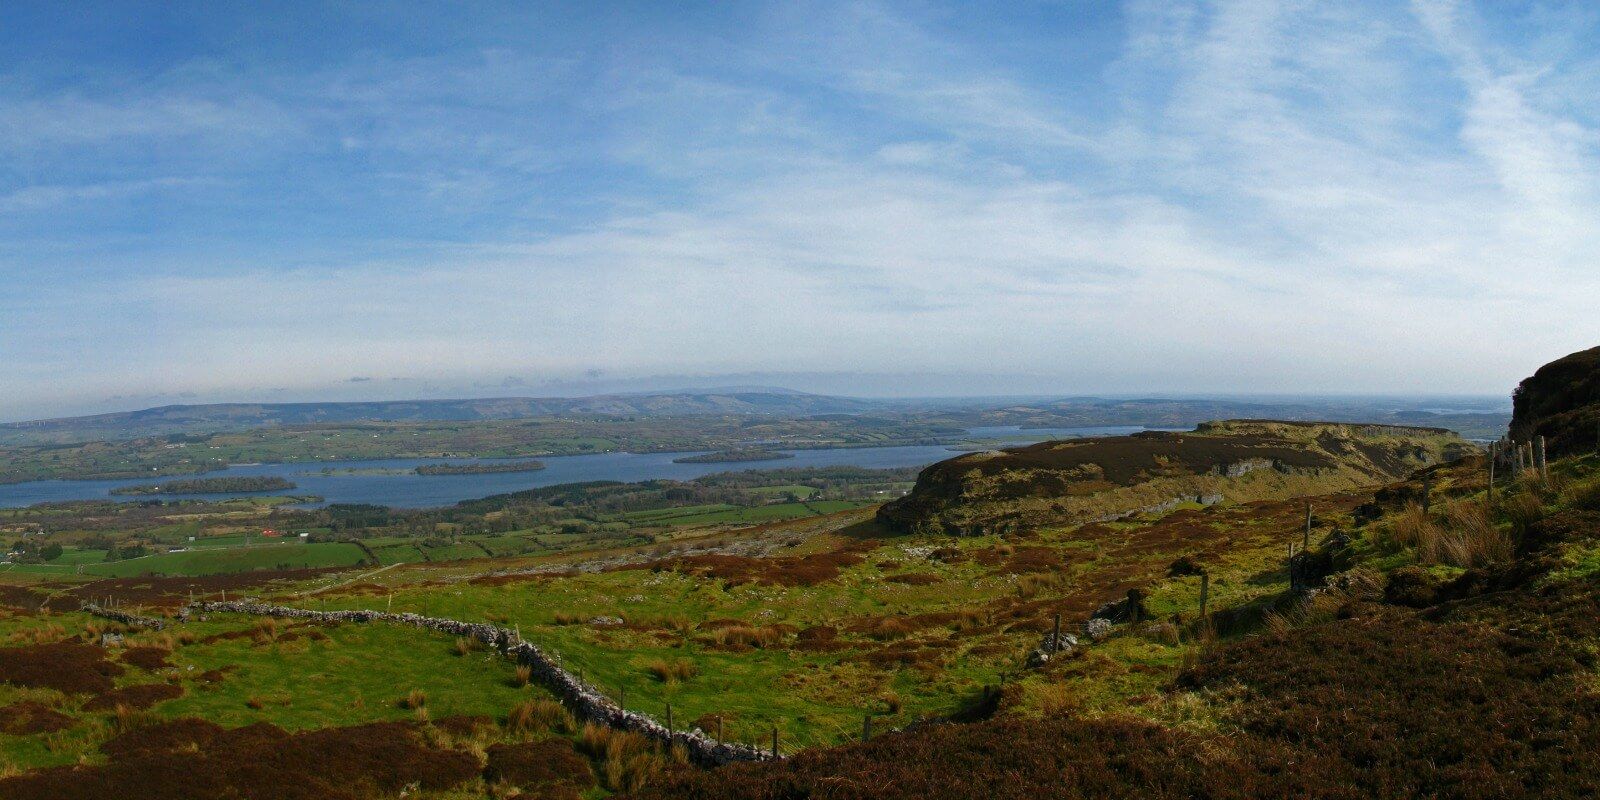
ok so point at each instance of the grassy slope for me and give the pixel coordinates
(982, 605)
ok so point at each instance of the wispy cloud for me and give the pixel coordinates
(1240, 195)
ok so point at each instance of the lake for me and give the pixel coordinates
(363, 481)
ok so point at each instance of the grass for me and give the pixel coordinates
(224, 560)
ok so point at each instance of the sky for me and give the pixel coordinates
(286, 201)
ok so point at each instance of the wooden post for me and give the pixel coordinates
(866, 727)
(1055, 636)
(719, 729)
(1494, 453)
(622, 697)
(1307, 544)
(774, 742)
(669, 722)
(1544, 463)
(1205, 592)
(390, 605)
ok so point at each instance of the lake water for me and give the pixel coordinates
(409, 490)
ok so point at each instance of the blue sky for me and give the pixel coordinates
(213, 201)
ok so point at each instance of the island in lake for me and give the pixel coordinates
(480, 469)
(746, 454)
(209, 486)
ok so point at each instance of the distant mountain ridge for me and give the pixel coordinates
(212, 418)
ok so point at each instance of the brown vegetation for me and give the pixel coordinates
(146, 658)
(544, 766)
(257, 762)
(140, 696)
(30, 716)
(71, 667)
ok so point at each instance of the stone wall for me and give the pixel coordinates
(118, 615)
(585, 702)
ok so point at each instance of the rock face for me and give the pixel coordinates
(1086, 480)
(1561, 402)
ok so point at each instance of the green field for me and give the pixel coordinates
(236, 559)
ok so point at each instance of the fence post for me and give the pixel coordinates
(669, 723)
(774, 742)
(719, 729)
(1544, 463)
(1307, 544)
(1205, 591)
(866, 727)
(1055, 636)
(1494, 453)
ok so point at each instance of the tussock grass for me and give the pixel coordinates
(747, 636)
(1466, 536)
(629, 761)
(890, 629)
(43, 634)
(671, 670)
(542, 715)
(1031, 584)
(414, 699)
(522, 676)
(265, 631)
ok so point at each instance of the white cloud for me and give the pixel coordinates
(1285, 196)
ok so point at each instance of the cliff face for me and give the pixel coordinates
(1561, 402)
(1082, 480)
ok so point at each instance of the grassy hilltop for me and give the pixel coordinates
(1079, 481)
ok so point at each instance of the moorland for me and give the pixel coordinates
(1245, 609)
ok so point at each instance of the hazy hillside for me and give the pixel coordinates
(246, 416)
(1472, 417)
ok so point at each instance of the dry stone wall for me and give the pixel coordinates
(118, 615)
(585, 702)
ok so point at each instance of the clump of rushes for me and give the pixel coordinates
(463, 645)
(414, 699)
(540, 715)
(631, 762)
(265, 631)
(523, 675)
(671, 671)
(747, 636)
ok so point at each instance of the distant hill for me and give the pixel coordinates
(218, 417)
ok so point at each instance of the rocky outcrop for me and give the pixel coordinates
(1086, 480)
(1561, 402)
(585, 702)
